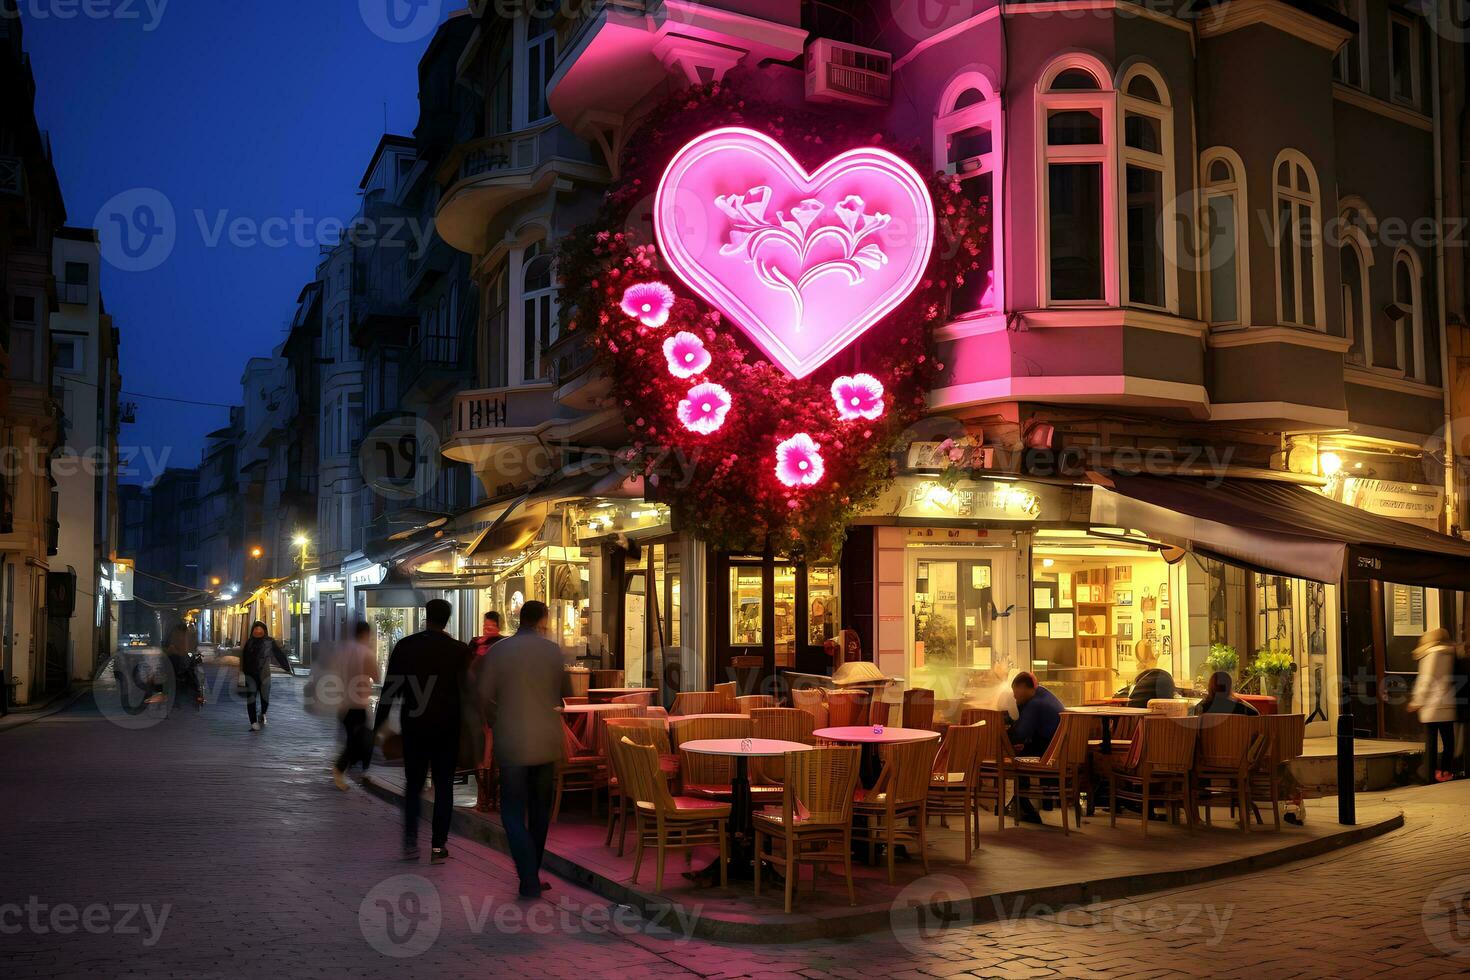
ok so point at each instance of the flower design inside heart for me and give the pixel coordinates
(803, 263)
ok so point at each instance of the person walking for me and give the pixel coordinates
(1433, 700)
(180, 653)
(521, 684)
(485, 796)
(426, 674)
(358, 665)
(255, 666)
(489, 634)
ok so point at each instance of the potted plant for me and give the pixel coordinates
(1224, 657)
(1276, 672)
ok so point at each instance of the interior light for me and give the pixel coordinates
(1330, 463)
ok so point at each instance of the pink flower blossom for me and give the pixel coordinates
(686, 354)
(703, 410)
(799, 461)
(648, 302)
(858, 397)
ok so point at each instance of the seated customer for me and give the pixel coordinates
(1219, 700)
(1152, 684)
(1040, 715)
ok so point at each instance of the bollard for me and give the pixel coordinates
(1346, 793)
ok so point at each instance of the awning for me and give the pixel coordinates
(1281, 528)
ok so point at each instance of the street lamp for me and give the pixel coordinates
(257, 551)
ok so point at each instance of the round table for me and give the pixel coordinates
(604, 694)
(742, 750)
(869, 768)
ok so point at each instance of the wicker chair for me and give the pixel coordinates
(749, 702)
(710, 775)
(643, 699)
(642, 731)
(894, 811)
(787, 724)
(847, 708)
(918, 708)
(955, 778)
(576, 772)
(814, 824)
(1157, 770)
(1229, 745)
(1057, 774)
(1284, 734)
(993, 759)
(667, 822)
(697, 703)
(727, 692)
(606, 678)
(812, 700)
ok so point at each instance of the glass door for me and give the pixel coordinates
(635, 629)
(960, 609)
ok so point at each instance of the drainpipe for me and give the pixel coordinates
(1452, 503)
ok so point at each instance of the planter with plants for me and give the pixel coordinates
(1274, 673)
(1224, 657)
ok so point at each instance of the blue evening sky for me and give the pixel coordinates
(263, 110)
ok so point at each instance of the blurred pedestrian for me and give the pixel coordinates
(489, 634)
(1433, 700)
(358, 666)
(426, 674)
(521, 684)
(255, 667)
(485, 795)
(180, 653)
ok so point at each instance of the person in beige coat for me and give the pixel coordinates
(1433, 701)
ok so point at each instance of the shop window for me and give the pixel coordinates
(967, 144)
(953, 613)
(1298, 239)
(1077, 122)
(747, 610)
(1226, 224)
(824, 620)
(1148, 184)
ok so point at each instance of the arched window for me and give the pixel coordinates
(1226, 231)
(1409, 310)
(1077, 122)
(1298, 238)
(1357, 315)
(1148, 190)
(967, 143)
(538, 297)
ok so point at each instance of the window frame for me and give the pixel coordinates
(986, 114)
(545, 40)
(1414, 99)
(1355, 48)
(1235, 189)
(1411, 327)
(540, 333)
(1312, 200)
(1161, 163)
(1103, 100)
(1357, 240)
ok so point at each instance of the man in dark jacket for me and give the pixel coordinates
(522, 682)
(255, 666)
(1040, 715)
(426, 674)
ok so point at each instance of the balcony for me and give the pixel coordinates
(578, 384)
(482, 176)
(432, 366)
(76, 293)
(502, 434)
(12, 176)
(379, 315)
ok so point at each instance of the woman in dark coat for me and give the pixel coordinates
(255, 666)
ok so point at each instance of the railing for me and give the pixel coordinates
(491, 154)
(12, 175)
(79, 293)
(430, 354)
(476, 411)
(569, 357)
(859, 81)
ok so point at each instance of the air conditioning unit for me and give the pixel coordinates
(838, 72)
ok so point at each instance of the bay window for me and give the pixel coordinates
(1298, 238)
(1148, 190)
(538, 325)
(1356, 309)
(1409, 323)
(1077, 125)
(1226, 226)
(967, 143)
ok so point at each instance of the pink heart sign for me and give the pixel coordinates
(803, 263)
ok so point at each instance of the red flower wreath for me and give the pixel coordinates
(746, 456)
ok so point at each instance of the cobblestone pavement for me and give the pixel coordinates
(188, 846)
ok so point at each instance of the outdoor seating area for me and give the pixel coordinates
(759, 797)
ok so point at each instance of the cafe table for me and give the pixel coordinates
(1106, 712)
(742, 750)
(599, 695)
(870, 737)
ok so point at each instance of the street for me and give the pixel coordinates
(188, 846)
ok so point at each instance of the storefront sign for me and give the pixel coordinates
(1420, 503)
(981, 500)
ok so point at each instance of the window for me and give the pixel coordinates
(1226, 224)
(1356, 311)
(1076, 125)
(1409, 323)
(1403, 58)
(76, 287)
(538, 297)
(495, 358)
(1148, 187)
(967, 143)
(69, 353)
(540, 63)
(500, 82)
(1350, 66)
(1298, 237)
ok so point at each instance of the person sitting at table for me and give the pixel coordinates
(1039, 717)
(1221, 700)
(1151, 685)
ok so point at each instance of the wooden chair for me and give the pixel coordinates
(727, 692)
(605, 678)
(918, 708)
(1284, 734)
(894, 811)
(814, 824)
(749, 702)
(993, 759)
(576, 772)
(575, 700)
(1062, 764)
(786, 724)
(642, 731)
(1229, 745)
(643, 699)
(812, 700)
(668, 822)
(847, 708)
(697, 703)
(881, 712)
(955, 778)
(1158, 768)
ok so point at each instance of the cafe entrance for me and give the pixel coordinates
(772, 614)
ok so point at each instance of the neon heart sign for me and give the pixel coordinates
(803, 263)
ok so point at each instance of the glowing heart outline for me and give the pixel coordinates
(726, 167)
